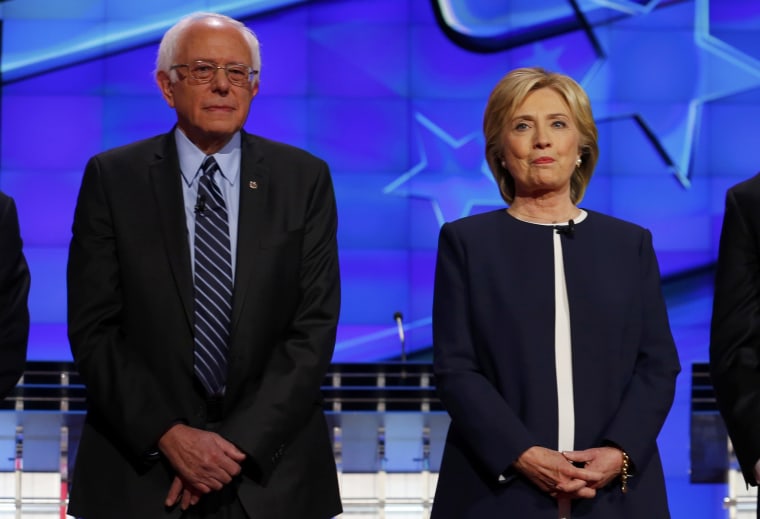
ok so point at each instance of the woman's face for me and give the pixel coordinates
(541, 145)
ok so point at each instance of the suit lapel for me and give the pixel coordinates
(166, 180)
(254, 189)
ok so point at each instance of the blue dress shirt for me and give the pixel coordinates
(190, 160)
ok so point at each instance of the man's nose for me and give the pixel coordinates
(220, 81)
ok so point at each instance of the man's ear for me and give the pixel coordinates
(254, 90)
(167, 87)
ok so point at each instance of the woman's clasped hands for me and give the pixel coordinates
(570, 474)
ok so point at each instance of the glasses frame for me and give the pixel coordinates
(199, 81)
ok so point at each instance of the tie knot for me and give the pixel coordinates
(209, 166)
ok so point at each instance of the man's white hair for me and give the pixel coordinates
(167, 50)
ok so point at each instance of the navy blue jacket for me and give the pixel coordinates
(493, 334)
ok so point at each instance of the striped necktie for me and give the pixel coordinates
(213, 282)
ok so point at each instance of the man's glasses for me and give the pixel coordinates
(204, 71)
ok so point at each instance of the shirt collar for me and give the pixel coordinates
(191, 158)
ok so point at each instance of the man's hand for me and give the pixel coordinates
(204, 461)
(606, 461)
(178, 493)
(553, 473)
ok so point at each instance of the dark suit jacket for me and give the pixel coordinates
(735, 330)
(131, 331)
(493, 335)
(14, 292)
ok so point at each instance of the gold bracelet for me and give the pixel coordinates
(624, 472)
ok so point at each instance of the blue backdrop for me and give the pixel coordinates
(391, 94)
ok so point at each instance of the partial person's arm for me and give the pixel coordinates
(14, 291)
(735, 331)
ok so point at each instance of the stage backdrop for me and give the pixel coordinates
(391, 93)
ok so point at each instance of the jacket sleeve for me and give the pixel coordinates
(490, 427)
(122, 390)
(648, 395)
(735, 333)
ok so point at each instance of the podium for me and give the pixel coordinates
(388, 430)
(40, 425)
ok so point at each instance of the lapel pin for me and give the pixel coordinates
(253, 184)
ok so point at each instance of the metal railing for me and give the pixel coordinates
(386, 424)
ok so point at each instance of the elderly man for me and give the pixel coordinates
(14, 292)
(203, 304)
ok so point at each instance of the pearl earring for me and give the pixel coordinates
(504, 164)
(578, 162)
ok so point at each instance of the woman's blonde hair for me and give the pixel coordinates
(508, 94)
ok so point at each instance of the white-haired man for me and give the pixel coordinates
(203, 304)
